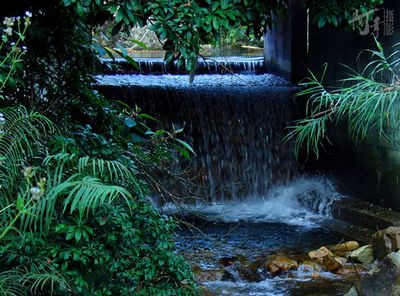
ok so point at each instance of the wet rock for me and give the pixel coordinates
(232, 274)
(351, 269)
(320, 253)
(386, 241)
(384, 279)
(331, 263)
(206, 275)
(352, 292)
(363, 255)
(250, 276)
(227, 261)
(346, 247)
(341, 260)
(310, 266)
(278, 263)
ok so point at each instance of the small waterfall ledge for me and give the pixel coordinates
(211, 65)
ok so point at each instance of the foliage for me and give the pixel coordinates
(115, 252)
(367, 102)
(79, 201)
(338, 12)
(183, 26)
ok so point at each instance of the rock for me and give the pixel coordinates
(363, 255)
(341, 260)
(331, 263)
(386, 241)
(250, 276)
(310, 266)
(385, 278)
(277, 263)
(206, 275)
(351, 269)
(352, 292)
(231, 274)
(346, 247)
(226, 261)
(320, 253)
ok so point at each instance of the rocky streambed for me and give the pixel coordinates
(245, 258)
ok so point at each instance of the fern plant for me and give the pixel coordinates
(368, 102)
(15, 281)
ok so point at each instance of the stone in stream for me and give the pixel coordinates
(277, 263)
(382, 280)
(386, 241)
(320, 253)
(207, 275)
(363, 255)
(346, 247)
(310, 266)
(351, 269)
(331, 263)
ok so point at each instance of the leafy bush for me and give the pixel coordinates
(73, 218)
(119, 251)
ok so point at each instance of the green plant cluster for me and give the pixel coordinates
(339, 12)
(118, 251)
(184, 25)
(74, 218)
(367, 103)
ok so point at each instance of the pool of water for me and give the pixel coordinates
(231, 236)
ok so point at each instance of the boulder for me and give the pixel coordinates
(310, 267)
(363, 255)
(331, 263)
(320, 253)
(386, 241)
(384, 279)
(207, 275)
(277, 263)
(352, 292)
(226, 261)
(346, 247)
(351, 269)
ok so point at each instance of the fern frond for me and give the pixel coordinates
(112, 171)
(20, 137)
(77, 193)
(42, 278)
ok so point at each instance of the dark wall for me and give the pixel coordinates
(286, 50)
(373, 165)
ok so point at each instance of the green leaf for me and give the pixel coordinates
(20, 203)
(185, 145)
(140, 43)
(130, 122)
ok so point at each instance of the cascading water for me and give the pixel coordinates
(258, 200)
(236, 124)
(151, 66)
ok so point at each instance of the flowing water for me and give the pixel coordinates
(255, 199)
(210, 65)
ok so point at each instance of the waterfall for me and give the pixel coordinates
(236, 124)
(218, 65)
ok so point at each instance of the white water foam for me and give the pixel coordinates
(303, 202)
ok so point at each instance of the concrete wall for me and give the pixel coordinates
(374, 163)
